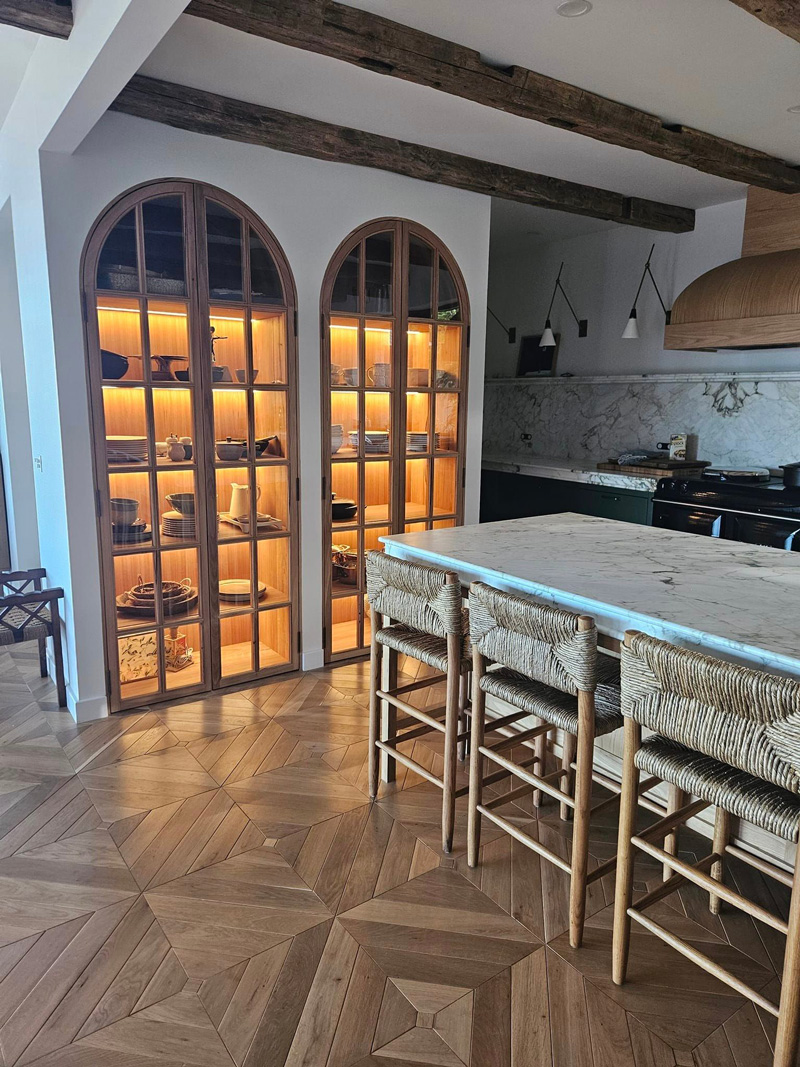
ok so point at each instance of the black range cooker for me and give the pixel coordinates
(748, 506)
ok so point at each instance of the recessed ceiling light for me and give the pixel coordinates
(571, 8)
(795, 110)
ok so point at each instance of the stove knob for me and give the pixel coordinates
(683, 488)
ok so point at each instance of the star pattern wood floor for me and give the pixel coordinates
(208, 885)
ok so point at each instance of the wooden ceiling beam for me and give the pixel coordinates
(220, 116)
(50, 17)
(782, 15)
(377, 44)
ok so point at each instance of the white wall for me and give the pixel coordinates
(310, 206)
(601, 273)
(15, 432)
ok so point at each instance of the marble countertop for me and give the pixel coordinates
(728, 599)
(569, 470)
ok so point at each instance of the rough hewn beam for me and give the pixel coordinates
(370, 41)
(783, 15)
(220, 116)
(51, 17)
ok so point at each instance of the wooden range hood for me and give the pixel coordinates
(752, 302)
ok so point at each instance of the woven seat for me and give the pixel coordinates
(425, 647)
(557, 708)
(20, 625)
(745, 796)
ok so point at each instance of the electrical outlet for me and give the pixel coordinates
(37, 461)
(525, 437)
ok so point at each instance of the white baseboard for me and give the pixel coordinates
(314, 659)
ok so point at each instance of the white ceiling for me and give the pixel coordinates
(16, 48)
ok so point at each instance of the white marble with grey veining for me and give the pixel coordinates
(568, 471)
(724, 598)
(738, 421)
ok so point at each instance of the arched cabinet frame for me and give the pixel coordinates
(250, 389)
(419, 484)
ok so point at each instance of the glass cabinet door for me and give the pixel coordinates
(192, 383)
(393, 380)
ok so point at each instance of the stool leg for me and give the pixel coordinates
(43, 657)
(476, 760)
(568, 749)
(58, 655)
(625, 855)
(388, 712)
(540, 746)
(374, 715)
(580, 828)
(463, 719)
(676, 798)
(786, 1042)
(722, 834)
(452, 719)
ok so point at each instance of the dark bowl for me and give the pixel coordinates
(342, 510)
(114, 365)
(182, 502)
(182, 375)
(218, 373)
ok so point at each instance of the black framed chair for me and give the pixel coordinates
(29, 612)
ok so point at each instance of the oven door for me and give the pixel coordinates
(688, 518)
(764, 530)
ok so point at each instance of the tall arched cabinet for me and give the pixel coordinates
(395, 328)
(189, 307)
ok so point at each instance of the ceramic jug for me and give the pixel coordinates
(240, 500)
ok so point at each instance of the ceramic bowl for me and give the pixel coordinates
(229, 451)
(182, 502)
(124, 510)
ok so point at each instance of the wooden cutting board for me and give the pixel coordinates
(668, 468)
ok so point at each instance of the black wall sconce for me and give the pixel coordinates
(631, 331)
(509, 331)
(548, 340)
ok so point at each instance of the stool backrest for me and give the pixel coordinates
(743, 717)
(425, 598)
(545, 644)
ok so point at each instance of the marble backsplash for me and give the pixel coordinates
(737, 421)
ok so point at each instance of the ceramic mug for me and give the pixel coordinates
(379, 375)
(351, 376)
(336, 374)
(419, 377)
(124, 510)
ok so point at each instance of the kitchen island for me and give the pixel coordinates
(735, 601)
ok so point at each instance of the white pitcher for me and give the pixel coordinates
(240, 500)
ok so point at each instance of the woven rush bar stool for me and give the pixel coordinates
(424, 618)
(546, 665)
(729, 736)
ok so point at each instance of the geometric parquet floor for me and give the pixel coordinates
(208, 885)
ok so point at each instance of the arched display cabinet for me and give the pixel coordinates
(395, 328)
(189, 307)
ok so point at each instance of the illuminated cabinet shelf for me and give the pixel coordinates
(395, 329)
(190, 338)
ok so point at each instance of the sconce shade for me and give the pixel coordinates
(631, 331)
(547, 341)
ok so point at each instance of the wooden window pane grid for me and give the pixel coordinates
(425, 487)
(148, 402)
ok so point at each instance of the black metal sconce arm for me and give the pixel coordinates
(647, 271)
(583, 324)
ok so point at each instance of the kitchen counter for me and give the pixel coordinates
(569, 470)
(729, 599)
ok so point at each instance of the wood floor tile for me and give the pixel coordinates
(355, 856)
(327, 726)
(210, 716)
(40, 812)
(221, 915)
(57, 882)
(27, 743)
(292, 798)
(96, 744)
(242, 753)
(183, 837)
(78, 978)
(145, 782)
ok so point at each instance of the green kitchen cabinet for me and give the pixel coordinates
(515, 496)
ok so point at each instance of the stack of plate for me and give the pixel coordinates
(126, 449)
(174, 524)
(238, 590)
(374, 440)
(134, 534)
(418, 442)
(337, 436)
